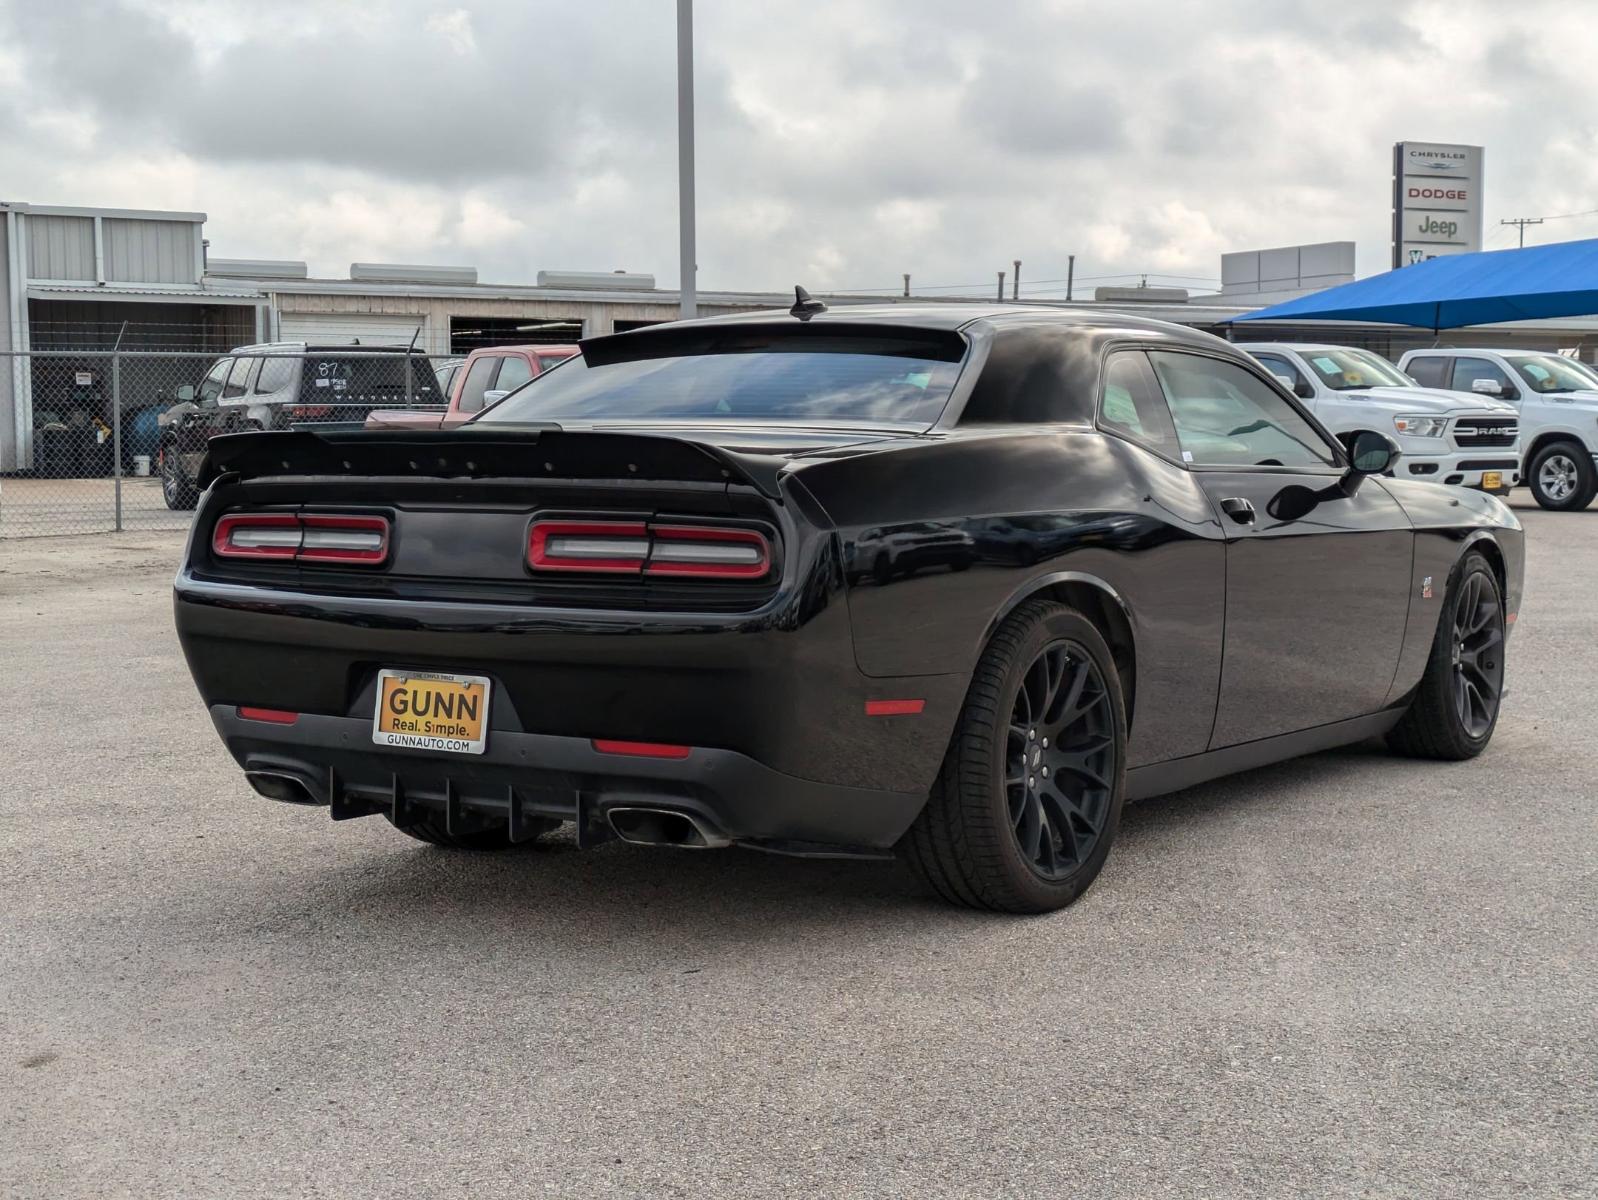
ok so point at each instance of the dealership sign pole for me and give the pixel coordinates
(1437, 200)
(685, 156)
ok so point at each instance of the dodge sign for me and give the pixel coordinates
(1436, 200)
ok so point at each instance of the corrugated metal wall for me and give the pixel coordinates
(150, 251)
(60, 247)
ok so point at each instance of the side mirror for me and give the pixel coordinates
(185, 393)
(1305, 390)
(1487, 387)
(494, 395)
(1372, 453)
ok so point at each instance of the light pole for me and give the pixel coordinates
(685, 156)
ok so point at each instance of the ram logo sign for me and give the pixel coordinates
(1437, 191)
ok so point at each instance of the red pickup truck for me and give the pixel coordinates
(486, 375)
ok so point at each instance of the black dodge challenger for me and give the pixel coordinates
(951, 581)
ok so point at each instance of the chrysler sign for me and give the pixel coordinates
(1436, 200)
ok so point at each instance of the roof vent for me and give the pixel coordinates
(622, 280)
(256, 268)
(409, 273)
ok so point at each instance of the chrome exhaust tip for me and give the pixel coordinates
(279, 785)
(664, 827)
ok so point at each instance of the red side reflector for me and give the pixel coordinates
(894, 708)
(641, 749)
(275, 716)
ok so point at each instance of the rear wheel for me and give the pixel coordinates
(431, 830)
(1029, 798)
(1455, 708)
(176, 488)
(1562, 477)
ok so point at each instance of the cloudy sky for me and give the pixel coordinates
(841, 142)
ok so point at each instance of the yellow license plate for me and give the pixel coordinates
(1492, 481)
(418, 710)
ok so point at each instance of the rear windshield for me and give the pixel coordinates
(745, 378)
(380, 378)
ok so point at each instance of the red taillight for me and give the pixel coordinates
(302, 537)
(636, 548)
(708, 552)
(614, 546)
(274, 716)
(641, 749)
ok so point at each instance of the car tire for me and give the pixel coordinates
(1562, 478)
(432, 831)
(989, 832)
(176, 488)
(1443, 720)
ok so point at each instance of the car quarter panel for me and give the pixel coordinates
(1448, 523)
(939, 538)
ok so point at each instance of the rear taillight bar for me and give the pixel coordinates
(639, 548)
(303, 537)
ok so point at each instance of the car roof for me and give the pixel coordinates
(946, 318)
(1252, 346)
(321, 348)
(545, 349)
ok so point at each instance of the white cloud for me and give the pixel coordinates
(839, 143)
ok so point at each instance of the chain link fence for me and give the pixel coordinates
(109, 440)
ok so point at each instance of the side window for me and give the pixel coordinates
(1428, 370)
(211, 386)
(1468, 370)
(276, 374)
(1132, 406)
(236, 377)
(1277, 364)
(513, 372)
(1227, 417)
(476, 384)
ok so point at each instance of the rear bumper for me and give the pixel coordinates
(528, 775)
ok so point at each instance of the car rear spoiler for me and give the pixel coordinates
(506, 453)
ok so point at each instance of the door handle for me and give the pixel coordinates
(1239, 509)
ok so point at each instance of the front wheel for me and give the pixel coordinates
(176, 488)
(1455, 707)
(1029, 797)
(1562, 477)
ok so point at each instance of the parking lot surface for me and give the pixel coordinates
(1346, 975)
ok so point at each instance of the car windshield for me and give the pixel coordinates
(1344, 370)
(743, 378)
(1550, 373)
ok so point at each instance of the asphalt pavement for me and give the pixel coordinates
(1347, 975)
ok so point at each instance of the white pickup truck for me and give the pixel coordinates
(1557, 399)
(1470, 440)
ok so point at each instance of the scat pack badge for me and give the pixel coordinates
(1426, 588)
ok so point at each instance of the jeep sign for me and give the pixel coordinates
(1436, 200)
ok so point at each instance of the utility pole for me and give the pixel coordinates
(1015, 281)
(1001, 287)
(685, 158)
(1523, 222)
(907, 285)
(1070, 276)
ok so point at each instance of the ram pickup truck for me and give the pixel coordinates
(1556, 399)
(487, 376)
(1445, 437)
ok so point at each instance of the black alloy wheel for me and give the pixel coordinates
(1455, 706)
(1060, 760)
(1478, 655)
(1025, 809)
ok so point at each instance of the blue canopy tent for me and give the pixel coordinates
(1558, 280)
